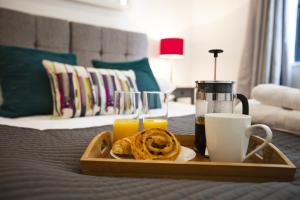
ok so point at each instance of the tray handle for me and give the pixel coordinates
(270, 154)
(102, 145)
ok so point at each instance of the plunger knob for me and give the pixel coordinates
(215, 52)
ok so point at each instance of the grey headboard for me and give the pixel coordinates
(86, 41)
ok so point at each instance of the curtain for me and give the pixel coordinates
(265, 54)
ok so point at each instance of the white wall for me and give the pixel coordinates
(203, 24)
(217, 24)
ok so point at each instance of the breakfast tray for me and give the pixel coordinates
(270, 165)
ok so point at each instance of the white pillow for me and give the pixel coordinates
(165, 86)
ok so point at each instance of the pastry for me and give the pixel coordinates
(122, 146)
(155, 144)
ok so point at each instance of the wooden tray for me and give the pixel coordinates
(271, 165)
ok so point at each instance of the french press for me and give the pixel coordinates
(213, 97)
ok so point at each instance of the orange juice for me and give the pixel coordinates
(124, 128)
(155, 123)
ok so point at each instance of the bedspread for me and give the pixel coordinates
(44, 164)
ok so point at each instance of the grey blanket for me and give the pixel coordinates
(45, 165)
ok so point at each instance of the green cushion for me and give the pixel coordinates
(144, 77)
(24, 81)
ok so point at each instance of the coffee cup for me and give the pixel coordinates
(227, 136)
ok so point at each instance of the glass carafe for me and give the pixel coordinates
(213, 97)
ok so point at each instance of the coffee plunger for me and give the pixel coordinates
(213, 97)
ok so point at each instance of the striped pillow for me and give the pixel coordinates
(78, 91)
(106, 82)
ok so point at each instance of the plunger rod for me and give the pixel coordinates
(215, 52)
(215, 74)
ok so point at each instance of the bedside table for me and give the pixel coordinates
(182, 92)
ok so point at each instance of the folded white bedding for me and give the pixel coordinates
(275, 117)
(276, 95)
(48, 122)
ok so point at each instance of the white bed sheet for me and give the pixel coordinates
(45, 122)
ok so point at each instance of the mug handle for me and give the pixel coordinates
(268, 138)
(245, 103)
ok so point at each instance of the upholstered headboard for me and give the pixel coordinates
(86, 41)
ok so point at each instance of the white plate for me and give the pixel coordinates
(185, 154)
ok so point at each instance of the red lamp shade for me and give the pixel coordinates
(171, 48)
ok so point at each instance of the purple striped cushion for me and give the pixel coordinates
(78, 91)
(107, 81)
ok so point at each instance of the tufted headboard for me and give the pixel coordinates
(86, 41)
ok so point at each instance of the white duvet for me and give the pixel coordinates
(48, 122)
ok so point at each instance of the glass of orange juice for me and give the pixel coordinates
(155, 110)
(126, 109)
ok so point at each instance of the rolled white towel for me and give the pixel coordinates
(275, 117)
(276, 95)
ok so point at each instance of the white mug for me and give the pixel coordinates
(227, 136)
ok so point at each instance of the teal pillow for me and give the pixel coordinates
(145, 79)
(24, 81)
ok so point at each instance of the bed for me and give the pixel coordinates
(39, 159)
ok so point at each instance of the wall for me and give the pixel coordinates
(217, 24)
(203, 24)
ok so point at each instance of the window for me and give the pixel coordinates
(297, 48)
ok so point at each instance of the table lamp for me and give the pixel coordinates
(171, 48)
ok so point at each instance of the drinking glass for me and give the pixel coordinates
(126, 109)
(155, 110)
